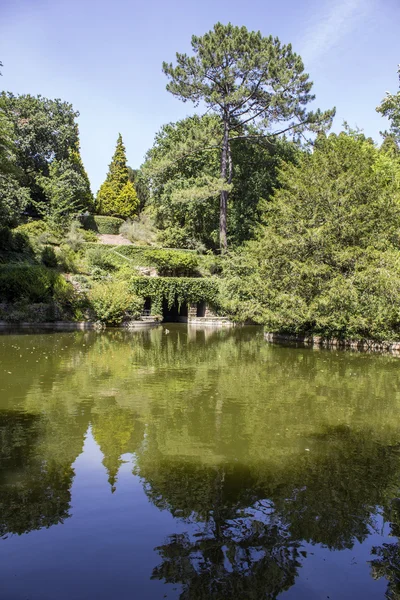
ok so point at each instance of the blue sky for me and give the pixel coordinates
(105, 58)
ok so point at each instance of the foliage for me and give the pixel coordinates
(113, 301)
(45, 131)
(13, 240)
(174, 172)
(172, 262)
(169, 262)
(390, 108)
(49, 257)
(13, 197)
(327, 258)
(101, 258)
(33, 228)
(34, 283)
(140, 230)
(66, 189)
(75, 236)
(102, 224)
(125, 203)
(244, 78)
(117, 195)
(189, 220)
(180, 290)
(67, 259)
(140, 182)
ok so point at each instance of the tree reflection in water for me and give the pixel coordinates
(254, 450)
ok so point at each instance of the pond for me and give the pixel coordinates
(196, 464)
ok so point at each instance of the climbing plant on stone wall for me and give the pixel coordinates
(179, 290)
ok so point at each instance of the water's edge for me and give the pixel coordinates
(318, 341)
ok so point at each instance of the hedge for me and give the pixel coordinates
(102, 224)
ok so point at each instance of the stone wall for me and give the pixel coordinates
(321, 342)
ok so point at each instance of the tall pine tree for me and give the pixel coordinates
(117, 196)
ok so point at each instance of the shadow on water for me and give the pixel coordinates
(257, 453)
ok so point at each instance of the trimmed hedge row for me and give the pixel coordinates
(102, 224)
(169, 263)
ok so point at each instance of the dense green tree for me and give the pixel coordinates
(140, 183)
(44, 130)
(390, 108)
(184, 206)
(117, 195)
(47, 170)
(327, 257)
(13, 197)
(66, 189)
(244, 78)
(182, 194)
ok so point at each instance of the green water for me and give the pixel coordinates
(176, 463)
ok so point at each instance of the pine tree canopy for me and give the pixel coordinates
(246, 79)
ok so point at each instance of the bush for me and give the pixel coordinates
(100, 258)
(113, 302)
(35, 283)
(102, 224)
(173, 263)
(66, 259)
(33, 228)
(89, 235)
(49, 257)
(75, 238)
(140, 230)
(13, 240)
(175, 237)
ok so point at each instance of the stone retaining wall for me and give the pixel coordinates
(321, 342)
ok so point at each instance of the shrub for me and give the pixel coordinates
(35, 283)
(49, 257)
(13, 240)
(33, 228)
(89, 236)
(75, 238)
(101, 258)
(113, 302)
(102, 224)
(175, 237)
(66, 258)
(39, 232)
(140, 230)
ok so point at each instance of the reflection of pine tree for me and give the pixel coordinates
(252, 518)
(238, 553)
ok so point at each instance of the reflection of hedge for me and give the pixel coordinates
(180, 290)
(102, 224)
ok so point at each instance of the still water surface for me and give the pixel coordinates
(176, 463)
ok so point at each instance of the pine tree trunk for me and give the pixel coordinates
(224, 194)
